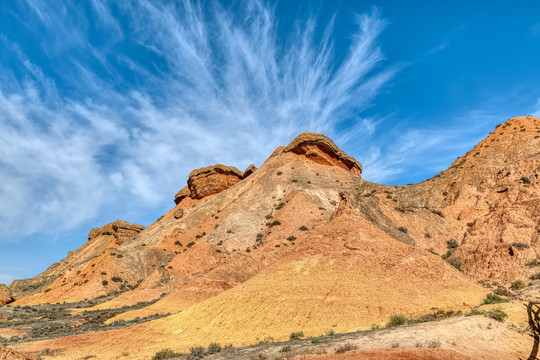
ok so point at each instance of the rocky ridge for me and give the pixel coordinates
(307, 223)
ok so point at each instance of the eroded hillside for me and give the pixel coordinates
(304, 243)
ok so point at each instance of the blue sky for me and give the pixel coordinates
(107, 106)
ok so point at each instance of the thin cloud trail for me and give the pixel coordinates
(210, 85)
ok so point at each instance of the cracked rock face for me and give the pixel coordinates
(321, 149)
(212, 180)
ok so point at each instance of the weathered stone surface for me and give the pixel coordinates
(249, 170)
(178, 213)
(9, 354)
(124, 230)
(121, 230)
(321, 149)
(5, 295)
(104, 230)
(212, 180)
(181, 195)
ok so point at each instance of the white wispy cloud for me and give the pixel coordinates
(196, 86)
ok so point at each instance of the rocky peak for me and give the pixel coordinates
(321, 149)
(212, 180)
(249, 170)
(121, 230)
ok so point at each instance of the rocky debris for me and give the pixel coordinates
(212, 180)
(121, 230)
(5, 295)
(181, 195)
(249, 170)
(322, 150)
(178, 213)
(9, 354)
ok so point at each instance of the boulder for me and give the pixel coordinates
(5, 295)
(178, 213)
(181, 195)
(124, 230)
(321, 149)
(212, 180)
(121, 230)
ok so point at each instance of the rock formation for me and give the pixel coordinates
(5, 295)
(308, 230)
(181, 195)
(9, 354)
(212, 180)
(321, 149)
(121, 230)
(249, 170)
(178, 213)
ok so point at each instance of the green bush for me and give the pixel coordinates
(105, 283)
(195, 353)
(520, 245)
(214, 348)
(497, 314)
(502, 291)
(456, 262)
(291, 238)
(165, 354)
(452, 244)
(474, 312)
(535, 276)
(396, 320)
(533, 263)
(346, 347)
(315, 340)
(493, 299)
(296, 335)
(303, 228)
(280, 205)
(286, 348)
(517, 285)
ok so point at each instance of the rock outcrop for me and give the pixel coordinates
(121, 230)
(322, 150)
(5, 295)
(181, 195)
(249, 170)
(179, 213)
(212, 180)
(9, 354)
